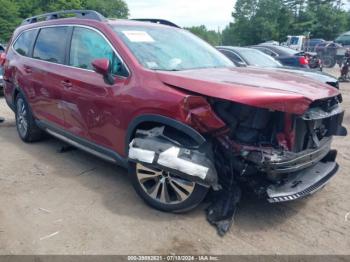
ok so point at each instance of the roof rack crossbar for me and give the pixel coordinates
(84, 14)
(157, 21)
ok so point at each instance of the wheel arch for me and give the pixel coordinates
(152, 120)
(17, 90)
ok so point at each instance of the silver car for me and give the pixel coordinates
(1, 81)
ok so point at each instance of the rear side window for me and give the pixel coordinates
(88, 45)
(233, 57)
(24, 43)
(51, 44)
(268, 52)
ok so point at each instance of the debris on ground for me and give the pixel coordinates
(45, 210)
(87, 171)
(38, 172)
(66, 148)
(221, 212)
(50, 236)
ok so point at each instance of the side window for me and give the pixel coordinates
(51, 44)
(269, 52)
(24, 43)
(232, 56)
(88, 45)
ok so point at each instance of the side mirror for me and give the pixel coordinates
(102, 67)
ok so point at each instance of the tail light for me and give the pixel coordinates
(303, 60)
(2, 58)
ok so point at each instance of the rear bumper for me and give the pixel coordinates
(303, 183)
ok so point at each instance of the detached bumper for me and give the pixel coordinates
(294, 162)
(303, 183)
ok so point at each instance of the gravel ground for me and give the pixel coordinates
(74, 203)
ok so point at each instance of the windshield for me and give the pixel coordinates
(170, 49)
(258, 58)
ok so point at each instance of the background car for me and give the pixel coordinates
(330, 53)
(1, 81)
(243, 56)
(343, 39)
(285, 55)
(310, 45)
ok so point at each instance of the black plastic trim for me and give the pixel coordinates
(82, 14)
(301, 160)
(157, 21)
(100, 149)
(307, 191)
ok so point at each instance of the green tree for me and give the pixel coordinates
(256, 21)
(9, 13)
(108, 8)
(29, 8)
(12, 12)
(211, 36)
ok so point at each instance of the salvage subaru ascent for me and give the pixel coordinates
(157, 100)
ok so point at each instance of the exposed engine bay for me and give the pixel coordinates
(278, 155)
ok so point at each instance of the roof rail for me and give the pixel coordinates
(83, 14)
(157, 21)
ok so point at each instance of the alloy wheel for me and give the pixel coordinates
(164, 186)
(22, 121)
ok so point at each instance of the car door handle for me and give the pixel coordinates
(66, 84)
(28, 70)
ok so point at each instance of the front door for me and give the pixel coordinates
(90, 104)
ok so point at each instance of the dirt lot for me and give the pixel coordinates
(74, 203)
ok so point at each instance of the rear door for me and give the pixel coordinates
(49, 55)
(18, 70)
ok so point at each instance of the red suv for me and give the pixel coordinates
(161, 102)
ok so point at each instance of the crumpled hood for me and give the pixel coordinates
(263, 88)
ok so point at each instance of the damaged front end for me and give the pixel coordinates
(281, 156)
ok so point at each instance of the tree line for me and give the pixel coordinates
(12, 12)
(253, 21)
(257, 21)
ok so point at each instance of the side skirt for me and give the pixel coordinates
(83, 144)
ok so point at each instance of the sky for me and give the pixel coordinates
(214, 14)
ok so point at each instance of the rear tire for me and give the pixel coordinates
(168, 192)
(27, 129)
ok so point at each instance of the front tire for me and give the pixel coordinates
(27, 129)
(165, 191)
